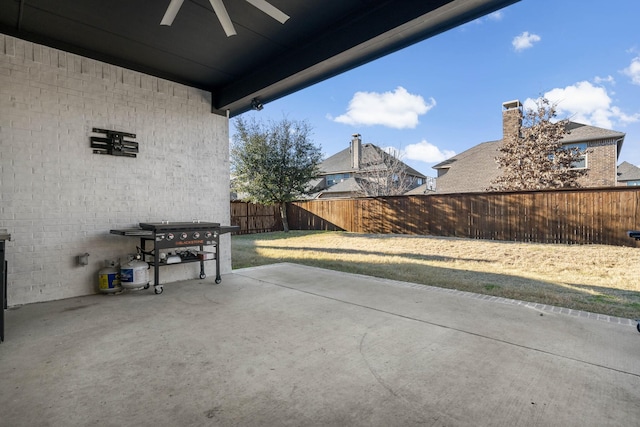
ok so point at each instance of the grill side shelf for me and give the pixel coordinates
(133, 232)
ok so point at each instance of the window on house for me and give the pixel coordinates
(336, 178)
(633, 183)
(581, 163)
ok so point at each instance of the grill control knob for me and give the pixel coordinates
(207, 234)
(196, 235)
(183, 236)
(170, 236)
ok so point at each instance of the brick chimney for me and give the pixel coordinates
(511, 119)
(356, 151)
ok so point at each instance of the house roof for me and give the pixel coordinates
(471, 170)
(341, 161)
(337, 163)
(580, 132)
(315, 183)
(628, 172)
(348, 185)
(346, 188)
(475, 169)
(422, 189)
(265, 60)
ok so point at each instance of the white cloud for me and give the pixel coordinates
(608, 79)
(525, 41)
(398, 109)
(633, 70)
(426, 152)
(585, 103)
(625, 118)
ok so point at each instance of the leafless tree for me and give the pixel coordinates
(383, 174)
(536, 159)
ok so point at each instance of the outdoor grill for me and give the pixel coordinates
(184, 235)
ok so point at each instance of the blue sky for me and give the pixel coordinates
(444, 95)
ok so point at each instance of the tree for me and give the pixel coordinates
(382, 173)
(536, 159)
(274, 162)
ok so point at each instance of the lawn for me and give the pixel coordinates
(596, 278)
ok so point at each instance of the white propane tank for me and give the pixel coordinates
(109, 278)
(134, 274)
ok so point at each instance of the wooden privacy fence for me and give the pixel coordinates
(254, 218)
(600, 216)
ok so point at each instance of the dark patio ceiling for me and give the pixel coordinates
(265, 60)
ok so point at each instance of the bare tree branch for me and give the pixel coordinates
(535, 159)
(384, 174)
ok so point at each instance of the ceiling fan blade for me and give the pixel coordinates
(270, 10)
(171, 12)
(223, 17)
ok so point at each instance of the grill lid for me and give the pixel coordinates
(167, 225)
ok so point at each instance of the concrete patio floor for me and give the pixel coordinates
(288, 345)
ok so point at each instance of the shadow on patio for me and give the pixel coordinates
(286, 344)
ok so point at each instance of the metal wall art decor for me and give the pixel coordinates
(114, 143)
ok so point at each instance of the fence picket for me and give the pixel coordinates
(573, 216)
(570, 216)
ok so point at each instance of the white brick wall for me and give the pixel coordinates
(59, 200)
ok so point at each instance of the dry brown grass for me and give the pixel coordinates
(596, 278)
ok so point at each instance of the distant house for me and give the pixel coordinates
(475, 169)
(350, 172)
(429, 187)
(628, 174)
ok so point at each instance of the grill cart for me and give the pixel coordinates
(179, 235)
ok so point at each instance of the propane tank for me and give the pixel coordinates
(109, 278)
(134, 274)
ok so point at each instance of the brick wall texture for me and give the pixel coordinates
(59, 200)
(601, 164)
(511, 123)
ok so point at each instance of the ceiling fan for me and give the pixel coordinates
(223, 16)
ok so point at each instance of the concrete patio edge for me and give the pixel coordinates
(533, 305)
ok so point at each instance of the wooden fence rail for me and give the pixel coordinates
(580, 216)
